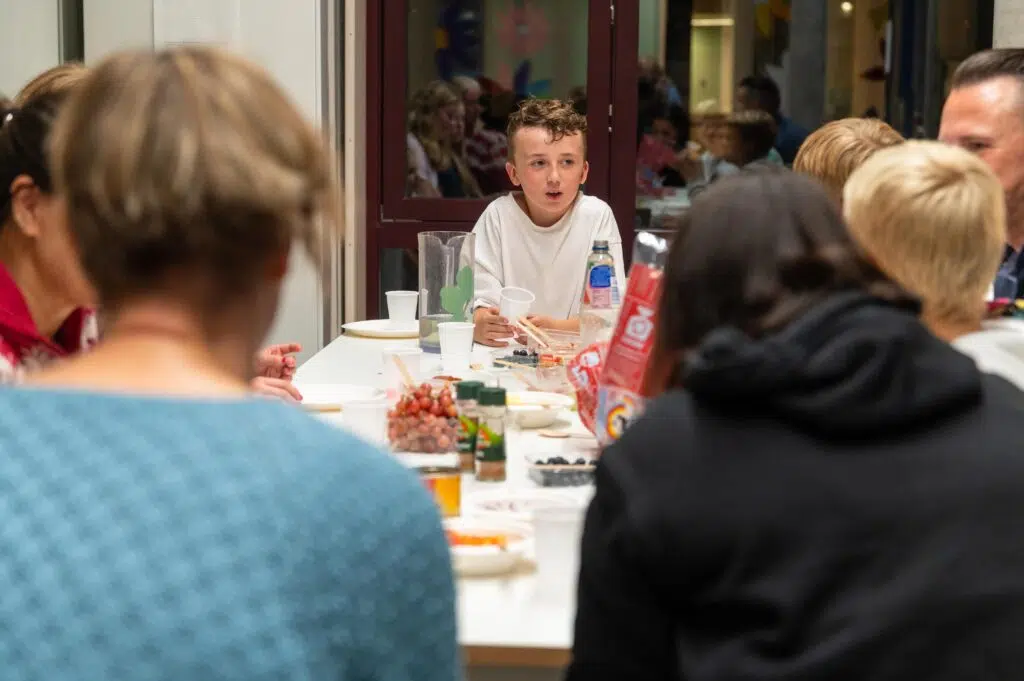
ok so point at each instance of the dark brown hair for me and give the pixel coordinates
(556, 116)
(755, 264)
(756, 131)
(988, 64)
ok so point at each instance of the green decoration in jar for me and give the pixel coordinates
(456, 299)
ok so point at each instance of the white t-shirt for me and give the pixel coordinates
(997, 349)
(548, 261)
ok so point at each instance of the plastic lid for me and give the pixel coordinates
(468, 390)
(601, 245)
(492, 397)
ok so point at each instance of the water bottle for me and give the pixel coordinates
(599, 309)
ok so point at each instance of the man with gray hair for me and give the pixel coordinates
(984, 114)
(486, 150)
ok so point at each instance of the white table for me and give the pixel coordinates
(502, 622)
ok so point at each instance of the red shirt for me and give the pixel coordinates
(22, 348)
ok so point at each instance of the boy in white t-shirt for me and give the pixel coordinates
(539, 238)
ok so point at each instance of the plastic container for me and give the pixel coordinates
(571, 469)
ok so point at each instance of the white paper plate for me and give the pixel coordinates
(382, 328)
(516, 505)
(331, 397)
(536, 409)
(488, 561)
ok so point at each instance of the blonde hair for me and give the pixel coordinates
(423, 108)
(57, 81)
(933, 217)
(831, 153)
(188, 162)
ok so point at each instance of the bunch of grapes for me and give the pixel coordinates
(424, 420)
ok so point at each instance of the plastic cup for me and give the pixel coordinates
(558, 530)
(367, 419)
(394, 382)
(456, 346)
(402, 305)
(515, 303)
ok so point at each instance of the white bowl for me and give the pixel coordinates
(487, 561)
(532, 409)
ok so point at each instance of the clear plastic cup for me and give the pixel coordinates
(558, 530)
(515, 303)
(456, 340)
(394, 382)
(367, 419)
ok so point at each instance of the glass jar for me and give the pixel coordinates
(446, 263)
(466, 403)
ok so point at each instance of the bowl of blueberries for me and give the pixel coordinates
(571, 469)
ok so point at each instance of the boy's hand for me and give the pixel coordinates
(545, 322)
(491, 328)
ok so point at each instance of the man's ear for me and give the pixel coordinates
(25, 200)
(586, 171)
(513, 175)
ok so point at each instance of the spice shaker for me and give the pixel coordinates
(490, 436)
(467, 394)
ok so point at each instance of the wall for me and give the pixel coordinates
(651, 20)
(706, 65)
(1008, 24)
(285, 37)
(29, 41)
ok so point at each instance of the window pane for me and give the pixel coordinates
(470, 63)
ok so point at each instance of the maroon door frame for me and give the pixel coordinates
(393, 221)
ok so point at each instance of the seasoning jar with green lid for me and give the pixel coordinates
(490, 436)
(467, 394)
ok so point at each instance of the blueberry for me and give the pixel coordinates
(580, 462)
(560, 461)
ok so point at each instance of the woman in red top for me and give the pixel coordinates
(46, 303)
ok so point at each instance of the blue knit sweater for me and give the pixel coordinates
(146, 539)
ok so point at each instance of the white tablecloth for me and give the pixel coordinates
(495, 612)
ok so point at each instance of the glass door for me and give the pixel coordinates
(451, 72)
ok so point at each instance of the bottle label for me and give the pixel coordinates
(490, 444)
(466, 434)
(600, 286)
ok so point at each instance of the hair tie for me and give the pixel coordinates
(7, 119)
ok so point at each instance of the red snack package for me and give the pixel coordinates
(619, 394)
(583, 372)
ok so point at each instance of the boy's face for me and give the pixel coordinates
(550, 173)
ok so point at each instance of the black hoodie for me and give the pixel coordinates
(843, 500)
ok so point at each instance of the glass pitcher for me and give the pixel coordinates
(446, 262)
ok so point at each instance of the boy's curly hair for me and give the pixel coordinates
(557, 116)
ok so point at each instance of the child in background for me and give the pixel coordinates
(539, 238)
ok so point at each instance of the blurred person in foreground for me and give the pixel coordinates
(45, 314)
(823, 490)
(834, 151)
(159, 522)
(933, 217)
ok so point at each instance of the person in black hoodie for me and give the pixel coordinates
(823, 490)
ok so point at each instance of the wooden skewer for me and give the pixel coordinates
(404, 371)
(537, 334)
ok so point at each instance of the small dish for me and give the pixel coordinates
(532, 410)
(571, 469)
(516, 505)
(486, 547)
(325, 398)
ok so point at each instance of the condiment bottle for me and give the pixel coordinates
(466, 396)
(490, 437)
